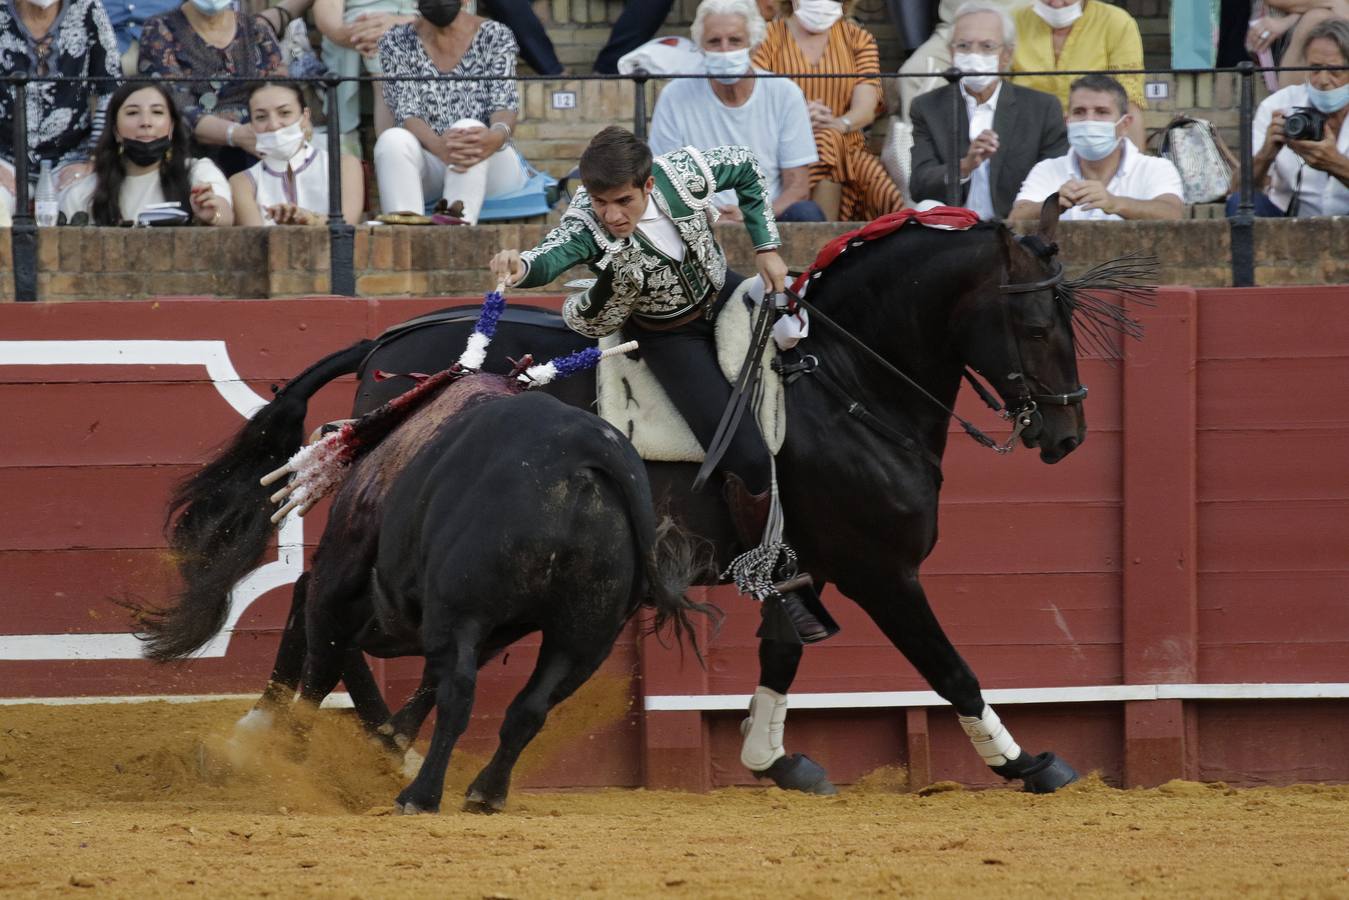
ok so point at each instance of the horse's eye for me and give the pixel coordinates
(1037, 333)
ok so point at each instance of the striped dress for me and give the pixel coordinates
(868, 191)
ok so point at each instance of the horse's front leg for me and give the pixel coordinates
(908, 621)
(762, 751)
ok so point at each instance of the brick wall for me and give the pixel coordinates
(111, 263)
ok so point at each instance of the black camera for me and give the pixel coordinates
(1306, 123)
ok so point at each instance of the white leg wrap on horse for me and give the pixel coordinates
(763, 730)
(990, 738)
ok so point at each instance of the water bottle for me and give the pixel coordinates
(45, 207)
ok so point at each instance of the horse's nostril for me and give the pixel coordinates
(1069, 444)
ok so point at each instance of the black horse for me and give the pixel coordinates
(869, 397)
(486, 516)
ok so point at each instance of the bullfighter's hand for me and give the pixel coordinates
(507, 267)
(772, 270)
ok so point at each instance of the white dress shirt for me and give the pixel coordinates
(1321, 194)
(980, 198)
(657, 228)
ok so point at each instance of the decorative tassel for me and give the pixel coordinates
(475, 354)
(572, 363)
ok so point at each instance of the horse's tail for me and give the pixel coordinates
(223, 526)
(673, 561)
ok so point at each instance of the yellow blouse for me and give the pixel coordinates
(1105, 37)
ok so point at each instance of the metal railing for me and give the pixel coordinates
(24, 233)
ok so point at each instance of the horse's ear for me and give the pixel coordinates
(1049, 218)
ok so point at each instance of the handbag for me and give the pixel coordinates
(536, 197)
(1201, 156)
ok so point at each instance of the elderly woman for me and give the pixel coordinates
(767, 115)
(206, 39)
(144, 159)
(849, 182)
(1306, 176)
(451, 139)
(68, 38)
(1072, 35)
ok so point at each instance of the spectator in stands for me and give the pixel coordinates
(849, 182)
(1306, 177)
(1104, 175)
(352, 30)
(1284, 28)
(144, 158)
(289, 185)
(1005, 130)
(636, 25)
(768, 116)
(1058, 35)
(206, 39)
(127, 17)
(68, 38)
(449, 138)
(933, 56)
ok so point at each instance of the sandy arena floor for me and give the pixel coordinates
(135, 801)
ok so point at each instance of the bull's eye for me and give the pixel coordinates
(1037, 333)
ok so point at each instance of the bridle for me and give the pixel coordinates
(1027, 403)
(1021, 412)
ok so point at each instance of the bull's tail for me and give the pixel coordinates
(672, 562)
(222, 524)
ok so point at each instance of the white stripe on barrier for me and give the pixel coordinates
(214, 356)
(332, 701)
(1102, 693)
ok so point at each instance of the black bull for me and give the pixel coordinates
(861, 507)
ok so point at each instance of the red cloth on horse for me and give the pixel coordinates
(950, 218)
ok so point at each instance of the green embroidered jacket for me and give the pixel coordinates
(633, 276)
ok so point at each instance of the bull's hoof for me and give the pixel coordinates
(1045, 774)
(799, 772)
(475, 802)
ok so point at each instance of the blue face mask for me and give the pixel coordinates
(728, 67)
(1331, 101)
(1093, 140)
(213, 7)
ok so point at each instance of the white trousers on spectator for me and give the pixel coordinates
(407, 173)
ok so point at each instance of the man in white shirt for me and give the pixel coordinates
(767, 115)
(1305, 177)
(1005, 129)
(1104, 176)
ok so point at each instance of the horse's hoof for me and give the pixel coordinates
(799, 772)
(1047, 774)
(410, 807)
(477, 803)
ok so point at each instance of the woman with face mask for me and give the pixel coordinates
(849, 183)
(68, 38)
(289, 186)
(144, 158)
(206, 39)
(450, 139)
(1086, 35)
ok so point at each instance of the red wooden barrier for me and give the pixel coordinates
(1191, 551)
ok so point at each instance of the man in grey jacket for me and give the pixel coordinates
(1002, 131)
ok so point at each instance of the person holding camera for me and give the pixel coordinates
(1303, 160)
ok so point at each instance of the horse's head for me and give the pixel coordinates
(1019, 336)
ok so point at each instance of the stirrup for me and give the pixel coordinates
(807, 625)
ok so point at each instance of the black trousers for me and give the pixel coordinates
(684, 361)
(637, 24)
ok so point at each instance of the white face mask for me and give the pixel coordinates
(727, 67)
(817, 16)
(976, 62)
(1093, 139)
(279, 146)
(1058, 17)
(44, 4)
(213, 7)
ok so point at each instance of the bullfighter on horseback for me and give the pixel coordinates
(644, 227)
